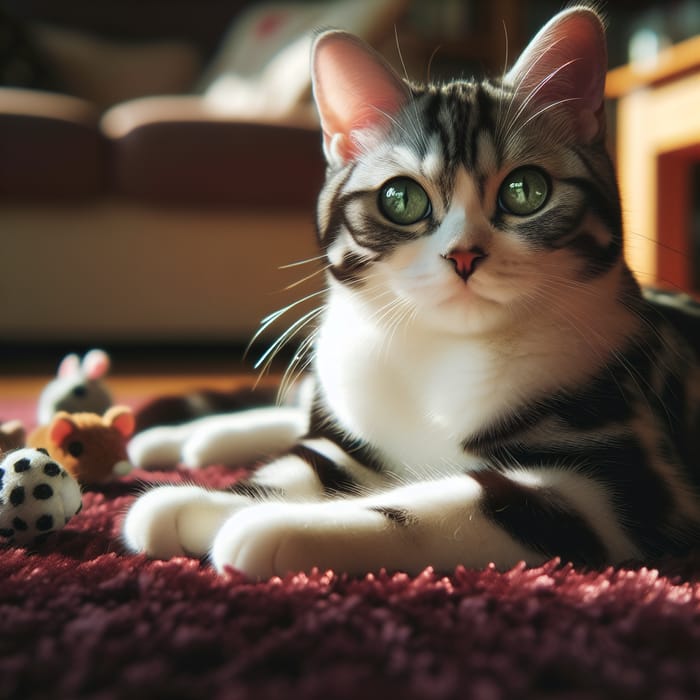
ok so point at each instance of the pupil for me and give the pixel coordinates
(519, 191)
(399, 197)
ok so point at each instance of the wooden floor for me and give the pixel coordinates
(135, 374)
(126, 384)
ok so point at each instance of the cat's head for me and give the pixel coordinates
(471, 203)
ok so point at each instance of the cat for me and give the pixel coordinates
(490, 384)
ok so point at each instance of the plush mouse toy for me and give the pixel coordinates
(37, 496)
(78, 387)
(92, 448)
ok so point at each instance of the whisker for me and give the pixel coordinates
(505, 60)
(275, 315)
(430, 62)
(544, 109)
(400, 54)
(538, 88)
(507, 125)
(658, 243)
(280, 312)
(263, 364)
(297, 366)
(297, 263)
(503, 77)
(308, 277)
(286, 335)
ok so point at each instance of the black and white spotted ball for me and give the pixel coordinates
(37, 496)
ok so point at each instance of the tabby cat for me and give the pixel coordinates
(490, 383)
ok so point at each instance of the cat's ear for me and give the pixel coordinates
(563, 70)
(355, 90)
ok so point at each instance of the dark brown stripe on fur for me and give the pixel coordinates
(400, 516)
(538, 522)
(259, 492)
(348, 272)
(332, 476)
(321, 426)
(507, 427)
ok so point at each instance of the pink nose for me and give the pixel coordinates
(465, 261)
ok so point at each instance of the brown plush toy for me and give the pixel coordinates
(92, 448)
(12, 435)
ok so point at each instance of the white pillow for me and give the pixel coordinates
(262, 68)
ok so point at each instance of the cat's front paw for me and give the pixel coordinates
(273, 539)
(171, 521)
(238, 438)
(253, 541)
(158, 447)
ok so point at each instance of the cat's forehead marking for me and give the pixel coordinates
(383, 164)
(486, 152)
(465, 194)
(406, 156)
(464, 223)
(433, 164)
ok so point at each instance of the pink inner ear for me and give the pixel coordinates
(61, 427)
(70, 365)
(354, 89)
(566, 63)
(122, 419)
(95, 364)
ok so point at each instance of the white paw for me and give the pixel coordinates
(157, 447)
(171, 521)
(251, 541)
(237, 438)
(273, 539)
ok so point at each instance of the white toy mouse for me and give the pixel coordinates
(77, 388)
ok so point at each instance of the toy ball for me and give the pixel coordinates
(37, 496)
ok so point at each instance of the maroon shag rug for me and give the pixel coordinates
(81, 618)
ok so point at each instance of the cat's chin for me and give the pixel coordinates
(466, 313)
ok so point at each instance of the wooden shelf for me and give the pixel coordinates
(658, 143)
(671, 64)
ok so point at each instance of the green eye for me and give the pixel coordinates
(403, 201)
(524, 191)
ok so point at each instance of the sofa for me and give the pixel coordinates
(149, 193)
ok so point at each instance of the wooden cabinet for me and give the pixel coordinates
(658, 147)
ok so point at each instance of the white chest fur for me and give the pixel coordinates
(415, 394)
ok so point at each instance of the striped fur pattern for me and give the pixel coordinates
(490, 383)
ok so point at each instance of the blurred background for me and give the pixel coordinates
(159, 159)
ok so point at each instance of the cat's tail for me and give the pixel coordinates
(177, 409)
(230, 439)
(219, 427)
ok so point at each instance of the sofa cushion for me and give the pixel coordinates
(51, 146)
(177, 149)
